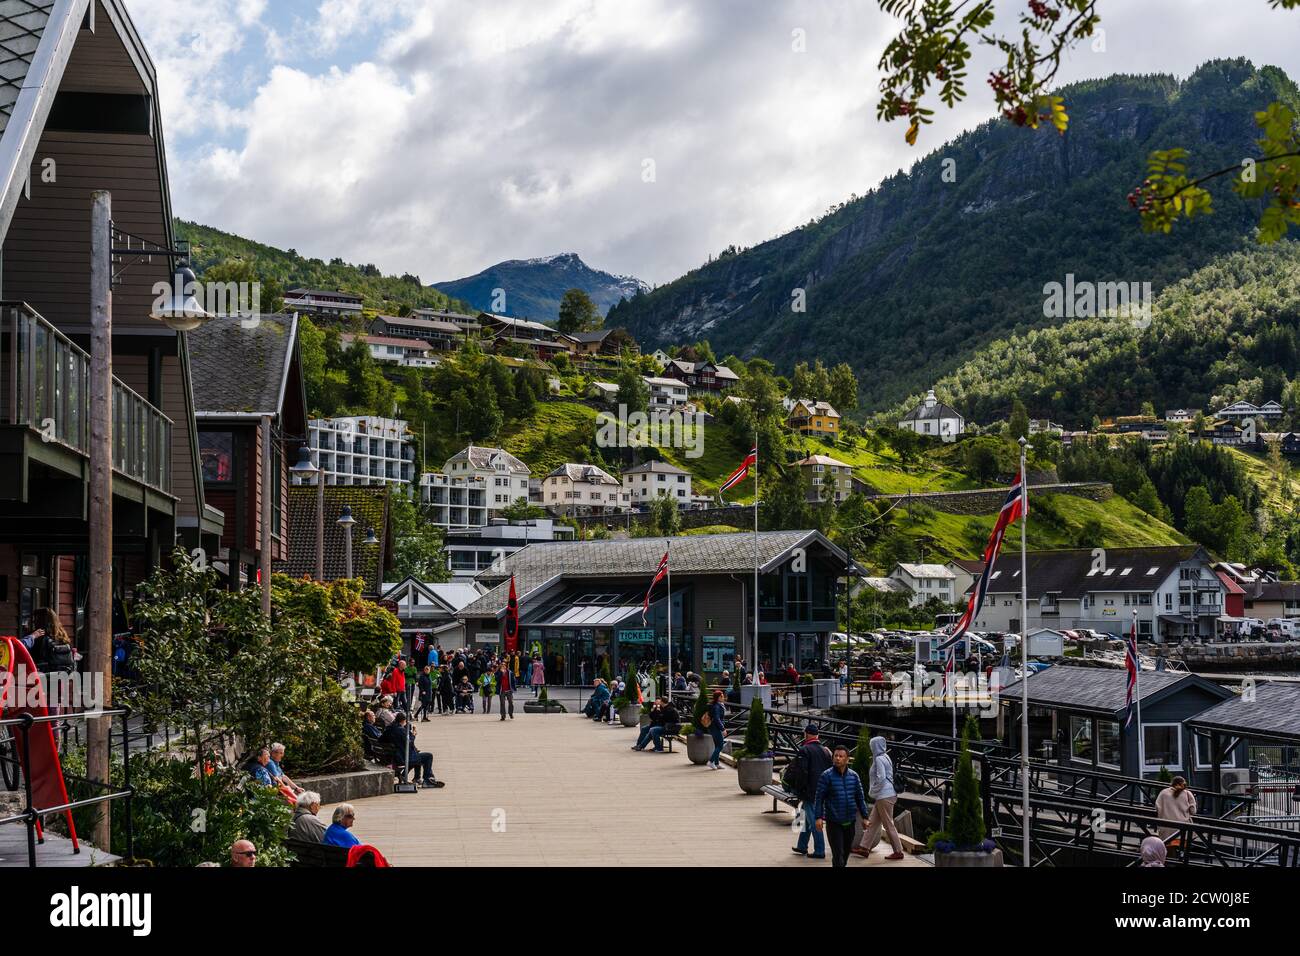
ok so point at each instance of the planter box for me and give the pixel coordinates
(698, 749)
(754, 773)
(536, 707)
(347, 787)
(969, 859)
(629, 715)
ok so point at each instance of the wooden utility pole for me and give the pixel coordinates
(99, 600)
(264, 564)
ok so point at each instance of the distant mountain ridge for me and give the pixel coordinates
(909, 281)
(533, 288)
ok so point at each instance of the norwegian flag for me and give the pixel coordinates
(741, 473)
(660, 573)
(1131, 664)
(1014, 508)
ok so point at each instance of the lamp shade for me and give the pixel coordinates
(370, 537)
(304, 464)
(181, 310)
(345, 519)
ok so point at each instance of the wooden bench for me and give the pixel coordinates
(780, 794)
(317, 855)
(386, 755)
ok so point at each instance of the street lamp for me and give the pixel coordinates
(370, 537)
(305, 468)
(181, 312)
(346, 521)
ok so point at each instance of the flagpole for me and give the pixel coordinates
(1137, 698)
(668, 552)
(1026, 860)
(754, 663)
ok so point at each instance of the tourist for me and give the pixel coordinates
(486, 688)
(243, 854)
(662, 713)
(305, 825)
(1153, 852)
(464, 695)
(538, 676)
(714, 719)
(412, 679)
(370, 728)
(385, 714)
(884, 796)
(597, 701)
(425, 683)
(679, 683)
(278, 776)
(877, 682)
(843, 673)
(402, 740)
(811, 761)
(339, 832)
(1177, 804)
(838, 803)
(258, 768)
(505, 690)
(51, 648)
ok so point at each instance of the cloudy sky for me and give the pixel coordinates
(441, 136)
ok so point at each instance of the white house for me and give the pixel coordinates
(667, 392)
(577, 489)
(1180, 415)
(935, 419)
(411, 353)
(646, 482)
(1243, 410)
(605, 391)
(475, 485)
(926, 581)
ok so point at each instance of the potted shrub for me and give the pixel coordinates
(754, 760)
(543, 705)
(964, 843)
(861, 765)
(699, 743)
(629, 711)
(806, 689)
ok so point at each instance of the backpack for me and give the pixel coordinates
(60, 657)
(795, 778)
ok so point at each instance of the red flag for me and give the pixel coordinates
(741, 473)
(1131, 663)
(660, 573)
(512, 619)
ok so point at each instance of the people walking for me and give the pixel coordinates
(714, 719)
(1176, 804)
(811, 761)
(839, 802)
(505, 690)
(884, 796)
(445, 692)
(425, 682)
(538, 675)
(485, 685)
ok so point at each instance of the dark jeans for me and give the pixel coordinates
(716, 733)
(507, 699)
(657, 733)
(424, 762)
(426, 707)
(840, 837)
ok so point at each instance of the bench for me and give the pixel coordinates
(385, 754)
(780, 794)
(317, 855)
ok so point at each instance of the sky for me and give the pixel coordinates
(438, 137)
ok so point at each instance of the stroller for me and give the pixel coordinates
(464, 697)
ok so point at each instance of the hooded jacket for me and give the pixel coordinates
(882, 772)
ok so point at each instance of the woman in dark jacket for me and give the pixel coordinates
(445, 701)
(717, 717)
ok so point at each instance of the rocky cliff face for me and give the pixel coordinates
(533, 288)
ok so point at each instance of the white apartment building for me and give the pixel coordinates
(575, 489)
(646, 482)
(362, 450)
(926, 581)
(474, 486)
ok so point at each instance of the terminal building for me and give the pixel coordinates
(580, 603)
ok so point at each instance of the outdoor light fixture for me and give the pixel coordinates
(178, 310)
(304, 466)
(370, 537)
(345, 520)
(182, 312)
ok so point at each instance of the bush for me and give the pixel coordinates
(861, 762)
(756, 739)
(322, 734)
(966, 813)
(701, 708)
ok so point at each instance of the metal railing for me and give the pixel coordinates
(16, 755)
(45, 386)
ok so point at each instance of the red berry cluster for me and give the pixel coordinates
(1148, 201)
(1042, 11)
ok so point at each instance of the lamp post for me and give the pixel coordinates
(305, 468)
(346, 521)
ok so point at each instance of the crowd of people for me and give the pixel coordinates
(463, 681)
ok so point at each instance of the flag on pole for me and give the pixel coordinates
(741, 473)
(660, 573)
(1014, 508)
(1131, 663)
(512, 619)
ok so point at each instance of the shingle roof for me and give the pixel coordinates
(239, 367)
(655, 467)
(481, 457)
(1066, 572)
(588, 473)
(21, 27)
(1098, 689)
(1275, 713)
(369, 505)
(699, 554)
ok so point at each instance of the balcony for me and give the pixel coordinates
(45, 386)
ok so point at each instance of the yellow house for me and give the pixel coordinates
(814, 418)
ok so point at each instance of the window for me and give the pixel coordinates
(1109, 746)
(1162, 746)
(217, 452)
(1203, 757)
(1081, 738)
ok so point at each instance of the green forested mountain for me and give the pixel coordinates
(279, 270)
(533, 288)
(1229, 331)
(907, 281)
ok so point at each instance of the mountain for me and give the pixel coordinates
(533, 287)
(910, 280)
(281, 269)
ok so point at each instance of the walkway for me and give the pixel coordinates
(563, 791)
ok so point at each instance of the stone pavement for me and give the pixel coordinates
(560, 790)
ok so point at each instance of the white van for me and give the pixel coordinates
(1287, 627)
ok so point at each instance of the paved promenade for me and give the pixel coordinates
(559, 790)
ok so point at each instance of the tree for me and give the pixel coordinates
(417, 545)
(578, 313)
(665, 518)
(521, 510)
(843, 388)
(966, 820)
(757, 743)
(632, 390)
(1019, 421)
(861, 762)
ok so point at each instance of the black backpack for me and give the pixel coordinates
(58, 656)
(795, 778)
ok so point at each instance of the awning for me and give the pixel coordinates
(1176, 619)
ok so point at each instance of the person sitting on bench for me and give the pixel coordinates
(339, 832)
(370, 728)
(599, 697)
(662, 713)
(306, 826)
(401, 737)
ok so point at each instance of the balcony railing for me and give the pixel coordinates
(45, 385)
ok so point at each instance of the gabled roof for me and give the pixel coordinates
(540, 565)
(969, 565)
(241, 365)
(433, 325)
(420, 344)
(511, 322)
(481, 458)
(1104, 690)
(927, 571)
(1274, 713)
(587, 337)
(937, 410)
(665, 382)
(814, 408)
(822, 460)
(1272, 591)
(448, 597)
(1066, 573)
(654, 467)
(586, 473)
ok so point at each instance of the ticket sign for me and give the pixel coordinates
(637, 636)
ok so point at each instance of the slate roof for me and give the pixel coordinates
(655, 468)
(585, 337)
(937, 410)
(1065, 572)
(481, 457)
(1101, 690)
(369, 505)
(238, 370)
(588, 473)
(21, 26)
(1274, 713)
(542, 562)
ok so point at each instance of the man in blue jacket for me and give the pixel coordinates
(839, 797)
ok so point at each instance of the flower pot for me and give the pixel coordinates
(629, 715)
(969, 858)
(754, 773)
(699, 748)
